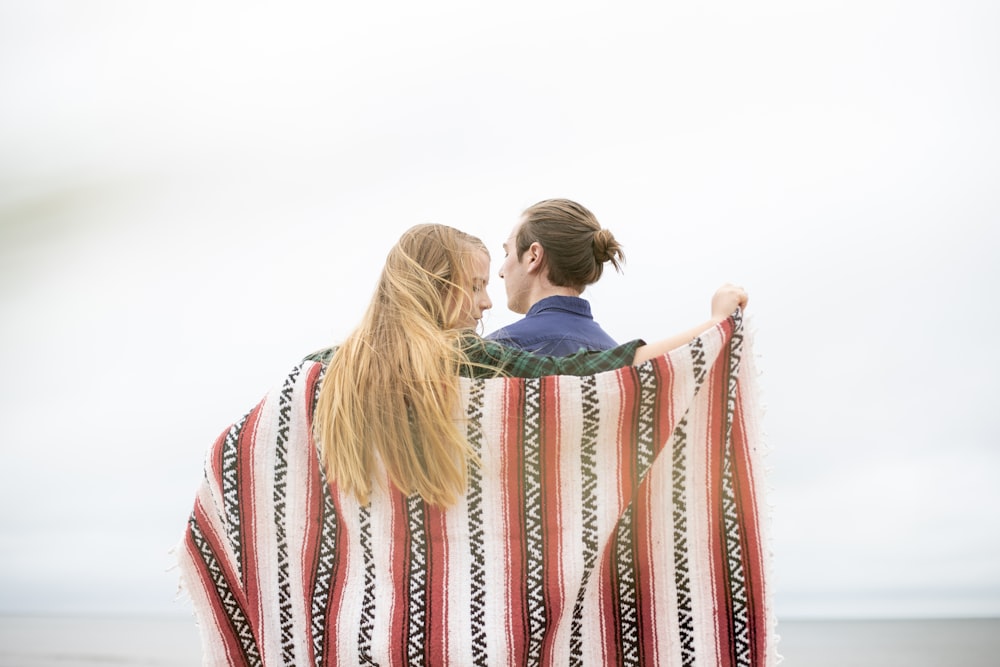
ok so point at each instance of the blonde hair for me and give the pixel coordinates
(391, 389)
(576, 246)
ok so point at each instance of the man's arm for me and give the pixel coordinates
(726, 300)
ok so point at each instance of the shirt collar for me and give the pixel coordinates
(570, 304)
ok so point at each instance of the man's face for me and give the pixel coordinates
(515, 276)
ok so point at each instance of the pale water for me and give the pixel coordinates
(173, 642)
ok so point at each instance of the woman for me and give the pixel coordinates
(391, 389)
(380, 509)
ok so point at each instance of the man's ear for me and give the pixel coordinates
(535, 255)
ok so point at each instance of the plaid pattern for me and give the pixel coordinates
(487, 359)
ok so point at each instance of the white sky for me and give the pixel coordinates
(195, 194)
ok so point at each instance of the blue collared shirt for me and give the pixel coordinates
(556, 326)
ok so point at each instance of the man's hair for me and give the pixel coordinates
(576, 247)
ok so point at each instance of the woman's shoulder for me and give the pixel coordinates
(322, 356)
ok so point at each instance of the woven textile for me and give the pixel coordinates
(616, 519)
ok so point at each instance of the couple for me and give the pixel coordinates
(417, 338)
(404, 498)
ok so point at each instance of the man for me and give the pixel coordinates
(556, 249)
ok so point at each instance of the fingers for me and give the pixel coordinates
(728, 298)
(742, 296)
(738, 293)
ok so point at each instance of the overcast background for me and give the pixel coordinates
(195, 194)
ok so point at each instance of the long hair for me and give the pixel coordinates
(391, 389)
(576, 246)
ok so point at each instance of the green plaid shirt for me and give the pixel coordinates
(487, 359)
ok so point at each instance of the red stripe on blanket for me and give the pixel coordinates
(338, 582)
(718, 387)
(515, 549)
(627, 482)
(437, 587)
(753, 552)
(646, 594)
(551, 508)
(228, 633)
(666, 417)
(313, 520)
(399, 586)
(627, 436)
(246, 484)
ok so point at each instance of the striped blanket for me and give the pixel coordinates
(615, 519)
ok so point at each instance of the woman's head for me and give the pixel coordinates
(437, 274)
(576, 247)
(390, 390)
